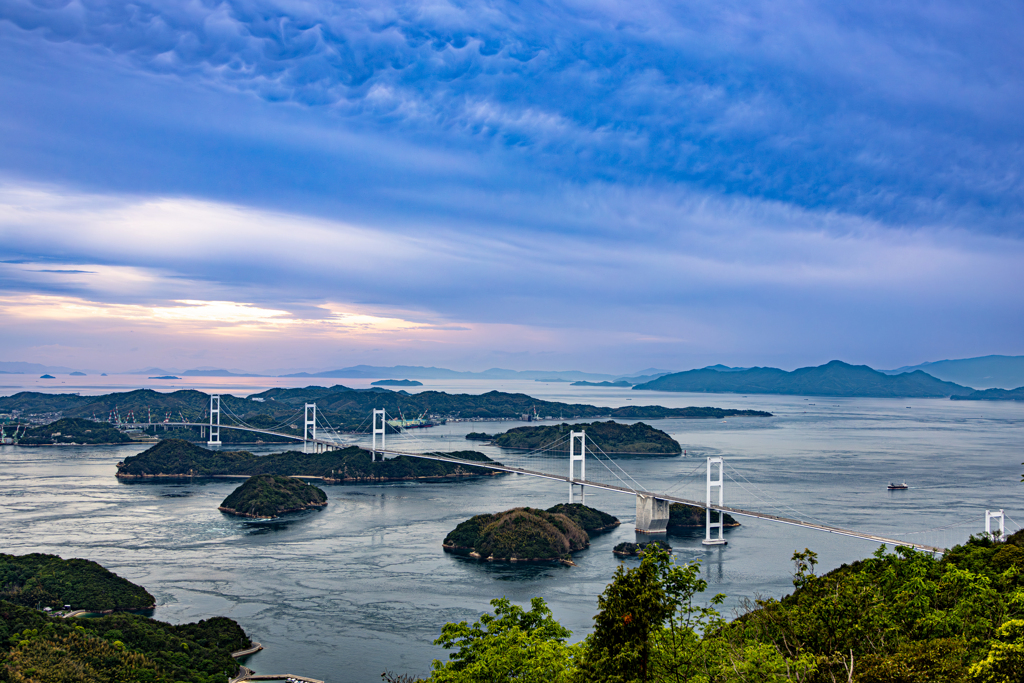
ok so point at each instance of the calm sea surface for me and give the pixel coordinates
(363, 585)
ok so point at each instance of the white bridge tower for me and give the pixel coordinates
(309, 427)
(718, 483)
(581, 458)
(378, 430)
(214, 420)
(989, 516)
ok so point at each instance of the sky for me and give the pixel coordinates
(603, 186)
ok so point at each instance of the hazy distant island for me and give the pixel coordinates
(176, 458)
(72, 430)
(268, 496)
(993, 395)
(344, 408)
(165, 377)
(620, 383)
(396, 383)
(47, 377)
(832, 379)
(76, 373)
(610, 437)
(526, 534)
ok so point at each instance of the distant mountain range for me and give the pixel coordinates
(984, 372)
(832, 379)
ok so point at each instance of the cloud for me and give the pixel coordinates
(902, 114)
(703, 274)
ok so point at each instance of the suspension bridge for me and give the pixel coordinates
(652, 507)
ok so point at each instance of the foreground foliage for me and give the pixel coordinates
(121, 648)
(896, 617)
(39, 580)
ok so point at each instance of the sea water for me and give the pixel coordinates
(343, 593)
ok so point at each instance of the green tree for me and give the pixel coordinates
(510, 645)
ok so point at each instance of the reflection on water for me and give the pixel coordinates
(363, 585)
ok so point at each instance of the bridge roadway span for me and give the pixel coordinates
(592, 484)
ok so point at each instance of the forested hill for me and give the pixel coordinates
(118, 648)
(39, 580)
(832, 379)
(74, 430)
(176, 458)
(345, 408)
(610, 437)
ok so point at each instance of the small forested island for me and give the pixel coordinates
(523, 535)
(73, 430)
(39, 580)
(177, 458)
(120, 648)
(610, 437)
(479, 436)
(688, 517)
(396, 383)
(591, 520)
(268, 496)
(626, 549)
(621, 384)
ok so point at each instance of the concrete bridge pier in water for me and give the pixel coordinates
(651, 515)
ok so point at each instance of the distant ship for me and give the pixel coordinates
(898, 487)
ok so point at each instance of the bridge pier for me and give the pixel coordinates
(651, 514)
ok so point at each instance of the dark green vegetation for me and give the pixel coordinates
(479, 436)
(347, 409)
(591, 520)
(610, 437)
(396, 383)
(832, 379)
(626, 549)
(73, 430)
(902, 617)
(120, 648)
(519, 534)
(268, 496)
(687, 517)
(618, 383)
(176, 458)
(39, 581)
(993, 395)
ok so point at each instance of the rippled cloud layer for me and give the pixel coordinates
(779, 182)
